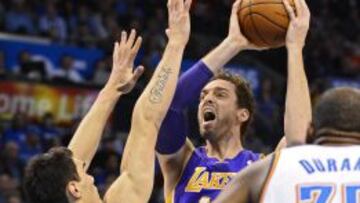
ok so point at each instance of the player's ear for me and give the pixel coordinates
(73, 190)
(310, 134)
(243, 115)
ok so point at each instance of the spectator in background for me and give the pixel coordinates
(267, 121)
(31, 147)
(67, 71)
(101, 72)
(97, 26)
(19, 19)
(8, 187)
(50, 133)
(18, 130)
(29, 68)
(24, 58)
(81, 33)
(14, 198)
(89, 22)
(52, 25)
(109, 171)
(10, 162)
(267, 103)
(82, 36)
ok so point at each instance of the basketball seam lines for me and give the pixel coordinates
(256, 13)
(256, 30)
(250, 5)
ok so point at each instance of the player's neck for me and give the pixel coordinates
(225, 148)
(341, 139)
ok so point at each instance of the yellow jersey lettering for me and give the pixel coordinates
(193, 185)
(202, 179)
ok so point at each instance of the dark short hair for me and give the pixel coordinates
(47, 175)
(245, 97)
(338, 109)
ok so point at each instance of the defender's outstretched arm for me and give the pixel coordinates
(136, 181)
(122, 80)
(298, 103)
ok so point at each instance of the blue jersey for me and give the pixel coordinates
(205, 177)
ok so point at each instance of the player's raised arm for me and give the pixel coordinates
(122, 80)
(298, 104)
(231, 46)
(172, 147)
(137, 168)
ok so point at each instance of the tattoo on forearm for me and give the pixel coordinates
(157, 91)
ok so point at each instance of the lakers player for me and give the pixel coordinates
(226, 106)
(60, 175)
(327, 170)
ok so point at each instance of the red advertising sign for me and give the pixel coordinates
(35, 99)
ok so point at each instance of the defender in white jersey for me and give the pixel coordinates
(326, 171)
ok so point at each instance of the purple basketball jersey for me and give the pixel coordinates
(205, 177)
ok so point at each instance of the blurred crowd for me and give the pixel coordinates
(333, 44)
(332, 50)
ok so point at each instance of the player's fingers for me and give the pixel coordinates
(171, 9)
(137, 73)
(123, 37)
(298, 8)
(135, 48)
(305, 8)
(173, 6)
(122, 43)
(181, 5)
(188, 5)
(234, 11)
(131, 39)
(236, 6)
(289, 9)
(170, 4)
(116, 51)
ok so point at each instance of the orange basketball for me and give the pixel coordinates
(264, 22)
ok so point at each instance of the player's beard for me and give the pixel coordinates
(221, 127)
(209, 135)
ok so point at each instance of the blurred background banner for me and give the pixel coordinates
(49, 53)
(34, 100)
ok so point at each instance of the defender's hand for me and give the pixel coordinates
(235, 36)
(299, 24)
(123, 78)
(179, 21)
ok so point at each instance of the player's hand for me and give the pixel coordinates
(179, 21)
(299, 24)
(122, 78)
(235, 36)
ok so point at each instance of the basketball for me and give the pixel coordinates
(264, 22)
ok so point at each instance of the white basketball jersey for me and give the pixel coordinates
(314, 174)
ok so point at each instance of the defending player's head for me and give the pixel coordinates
(226, 105)
(54, 177)
(336, 117)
